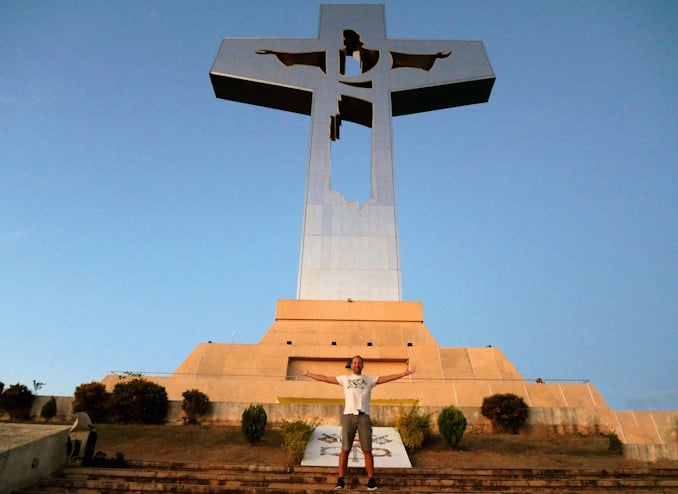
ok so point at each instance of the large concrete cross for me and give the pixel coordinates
(348, 250)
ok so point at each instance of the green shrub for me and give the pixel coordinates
(195, 404)
(254, 423)
(614, 444)
(49, 409)
(16, 401)
(414, 427)
(139, 401)
(507, 412)
(93, 399)
(295, 435)
(451, 424)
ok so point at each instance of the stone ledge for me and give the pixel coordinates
(30, 452)
(340, 310)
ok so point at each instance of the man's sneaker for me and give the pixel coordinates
(372, 484)
(340, 483)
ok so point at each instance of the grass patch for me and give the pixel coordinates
(227, 444)
(179, 436)
(195, 443)
(511, 444)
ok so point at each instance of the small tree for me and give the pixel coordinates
(295, 436)
(614, 445)
(139, 401)
(254, 420)
(17, 401)
(451, 424)
(49, 409)
(507, 412)
(414, 427)
(195, 404)
(93, 399)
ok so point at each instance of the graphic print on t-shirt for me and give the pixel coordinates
(359, 383)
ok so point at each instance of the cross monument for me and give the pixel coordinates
(348, 250)
(349, 295)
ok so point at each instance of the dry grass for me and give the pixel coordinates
(194, 443)
(227, 444)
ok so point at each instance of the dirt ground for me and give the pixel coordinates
(227, 444)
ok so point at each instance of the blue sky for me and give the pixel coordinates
(140, 216)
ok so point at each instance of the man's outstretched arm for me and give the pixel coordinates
(393, 377)
(320, 377)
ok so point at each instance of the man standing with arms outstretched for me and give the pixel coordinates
(356, 417)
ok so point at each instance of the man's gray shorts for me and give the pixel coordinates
(352, 423)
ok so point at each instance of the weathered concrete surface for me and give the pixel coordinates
(648, 436)
(29, 453)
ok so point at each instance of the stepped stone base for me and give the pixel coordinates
(321, 335)
(206, 478)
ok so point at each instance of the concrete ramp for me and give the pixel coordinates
(324, 447)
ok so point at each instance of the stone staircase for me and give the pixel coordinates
(148, 477)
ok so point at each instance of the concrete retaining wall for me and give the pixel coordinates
(560, 419)
(29, 453)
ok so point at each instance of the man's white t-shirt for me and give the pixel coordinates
(357, 392)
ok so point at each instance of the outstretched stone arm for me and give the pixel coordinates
(393, 377)
(320, 377)
(312, 58)
(415, 61)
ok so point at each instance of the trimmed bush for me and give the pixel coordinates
(506, 412)
(139, 401)
(295, 436)
(614, 444)
(16, 401)
(195, 404)
(93, 399)
(254, 420)
(451, 424)
(49, 409)
(414, 427)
